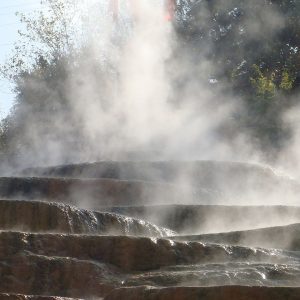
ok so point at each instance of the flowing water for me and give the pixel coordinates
(150, 231)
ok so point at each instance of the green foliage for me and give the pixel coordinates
(50, 33)
(287, 81)
(38, 68)
(264, 86)
(242, 33)
(253, 45)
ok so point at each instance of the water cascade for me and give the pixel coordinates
(149, 230)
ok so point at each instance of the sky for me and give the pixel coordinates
(9, 25)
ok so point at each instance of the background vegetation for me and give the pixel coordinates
(253, 47)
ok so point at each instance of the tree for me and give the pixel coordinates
(255, 47)
(50, 34)
(39, 68)
(51, 60)
(252, 48)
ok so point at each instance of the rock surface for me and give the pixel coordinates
(279, 237)
(26, 273)
(109, 251)
(222, 181)
(96, 193)
(209, 293)
(28, 297)
(128, 253)
(242, 273)
(93, 266)
(191, 219)
(35, 216)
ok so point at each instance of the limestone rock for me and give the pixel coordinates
(30, 297)
(36, 216)
(279, 237)
(206, 293)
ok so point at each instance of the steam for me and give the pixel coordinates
(139, 107)
(134, 107)
(289, 157)
(149, 102)
(135, 94)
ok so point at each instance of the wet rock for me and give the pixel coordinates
(30, 297)
(280, 237)
(92, 266)
(35, 216)
(70, 190)
(219, 274)
(137, 183)
(130, 253)
(231, 179)
(26, 273)
(205, 173)
(193, 219)
(57, 250)
(207, 293)
(95, 193)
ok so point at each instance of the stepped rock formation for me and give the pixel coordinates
(287, 237)
(95, 193)
(87, 265)
(220, 293)
(210, 182)
(149, 230)
(55, 217)
(187, 219)
(27, 297)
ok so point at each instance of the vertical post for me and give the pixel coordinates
(170, 6)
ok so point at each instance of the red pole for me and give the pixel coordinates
(170, 9)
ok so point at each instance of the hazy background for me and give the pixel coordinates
(206, 86)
